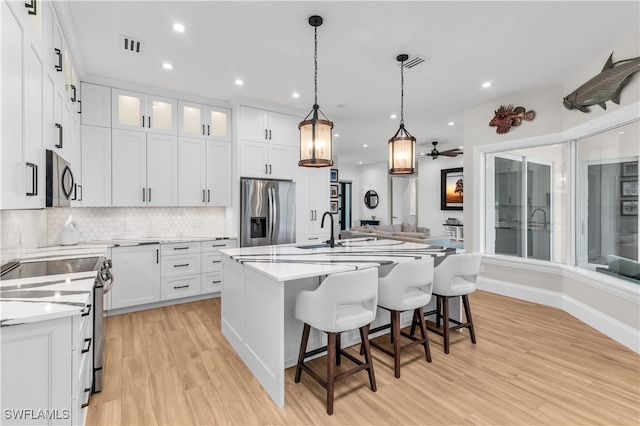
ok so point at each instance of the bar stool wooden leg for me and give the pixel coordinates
(467, 312)
(364, 335)
(438, 310)
(331, 370)
(445, 322)
(338, 348)
(303, 350)
(395, 325)
(419, 316)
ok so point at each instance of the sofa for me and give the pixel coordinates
(402, 232)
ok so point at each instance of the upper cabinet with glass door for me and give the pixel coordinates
(204, 121)
(143, 112)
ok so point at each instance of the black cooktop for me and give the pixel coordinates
(49, 267)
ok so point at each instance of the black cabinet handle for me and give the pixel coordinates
(149, 121)
(34, 180)
(73, 97)
(208, 196)
(60, 133)
(79, 102)
(59, 64)
(149, 194)
(216, 261)
(269, 134)
(181, 265)
(157, 256)
(203, 195)
(269, 168)
(181, 286)
(203, 130)
(218, 245)
(266, 169)
(142, 117)
(33, 5)
(88, 348)
(266, 132)
(216, 282)
(144, 195)
(208, 130)
(86, 311)
(75, 192)
(86, 404)
(181, 248)
(80, 186)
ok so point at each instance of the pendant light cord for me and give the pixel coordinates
(315, 64)
(402, 93)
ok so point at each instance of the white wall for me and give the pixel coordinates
(365, 178)
(429, 213)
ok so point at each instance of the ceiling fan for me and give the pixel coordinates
(448, 153)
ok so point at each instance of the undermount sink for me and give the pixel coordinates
(313, 246)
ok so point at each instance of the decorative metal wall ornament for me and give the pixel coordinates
(507, 116)
(402, 146)
(315, 133)
(605, 86)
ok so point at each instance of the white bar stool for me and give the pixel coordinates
(343, 301)
(455, 277)
(407, 287)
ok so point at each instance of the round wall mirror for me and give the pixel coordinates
(371, 199)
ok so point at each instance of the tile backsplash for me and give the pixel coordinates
(27, 229)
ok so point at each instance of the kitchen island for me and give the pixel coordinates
(260, 285)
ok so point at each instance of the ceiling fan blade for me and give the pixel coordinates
(449, 154)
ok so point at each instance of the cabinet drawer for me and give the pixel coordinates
(81, 400)
(211, 262)
(216, 245)
(176, 287)
(211, 282)
(180, 265)
(83, 327)
(180, 248)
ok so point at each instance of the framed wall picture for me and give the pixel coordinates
(333, 207)
(629, 188)
(334, 191)
(452, 189)
(629, 208)
(630, 169)
(333, 175)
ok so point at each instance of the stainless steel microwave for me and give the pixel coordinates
(60, 182)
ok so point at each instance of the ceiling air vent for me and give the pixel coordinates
(130, 44)
(414, 61)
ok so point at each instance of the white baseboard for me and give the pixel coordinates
(611, 327)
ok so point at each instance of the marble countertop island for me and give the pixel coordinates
(260, 286)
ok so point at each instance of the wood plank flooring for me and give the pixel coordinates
(532, 365)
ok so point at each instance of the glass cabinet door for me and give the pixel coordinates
(218, 124)
(161, 117)
(191, 123)
(128, 110)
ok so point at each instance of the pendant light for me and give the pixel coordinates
(315, 133)
(402, 146)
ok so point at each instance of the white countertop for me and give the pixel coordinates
(289, 262)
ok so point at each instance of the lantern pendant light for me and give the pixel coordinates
(402, 146)
(315, 133)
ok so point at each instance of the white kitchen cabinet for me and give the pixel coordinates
(181, 270)
(96, 166)
(204, 172)
(96, 105)
(143, 112)
(212, 264)
(137, 271)
(22, 173)
(265, 144)
(48, 365)
(203, 121)
(312, 200)
(144, 169)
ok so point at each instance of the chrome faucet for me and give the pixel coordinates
(331, 241)
(544, 216)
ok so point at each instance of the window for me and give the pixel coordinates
(573, 202)
(527, 192)
(607, 196)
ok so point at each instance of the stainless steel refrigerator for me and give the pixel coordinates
(267, 212)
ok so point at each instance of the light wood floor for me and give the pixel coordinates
(532, 365)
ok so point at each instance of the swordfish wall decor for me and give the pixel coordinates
(605, 86)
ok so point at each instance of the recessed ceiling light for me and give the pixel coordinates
(451, 123)
(336, 135)
(359, 162)
(167, 66)
(178, 27)
(365, 145)
(239, 82)
(295, 95)
(621, 133)
(461, 147)
(486, 84)
(393, 116)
